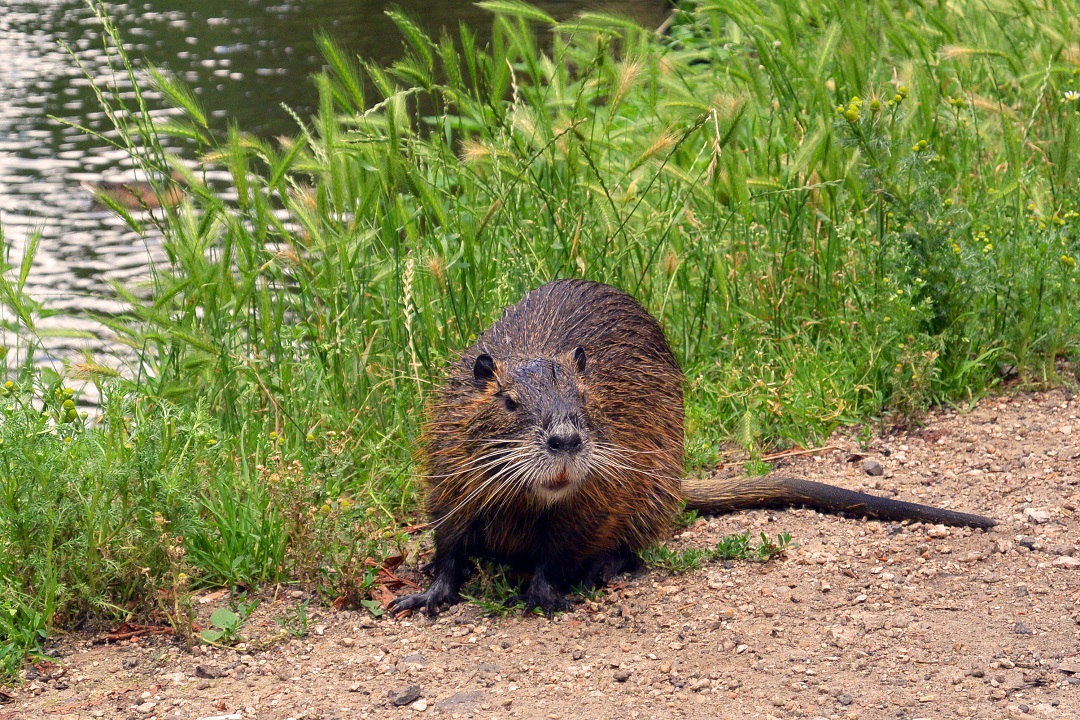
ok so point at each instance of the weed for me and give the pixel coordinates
(295, 622)
(495, 589)
(731, 547)
(227, 624)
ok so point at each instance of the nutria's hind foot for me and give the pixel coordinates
(438, 594)
(605, 568)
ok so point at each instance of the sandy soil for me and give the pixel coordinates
(864, 620)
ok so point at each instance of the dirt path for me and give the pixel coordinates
(864, 620)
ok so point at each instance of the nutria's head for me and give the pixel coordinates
(530, 423)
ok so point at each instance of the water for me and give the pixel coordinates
(244, 58)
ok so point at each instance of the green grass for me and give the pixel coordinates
(838, 210)
(731, 547)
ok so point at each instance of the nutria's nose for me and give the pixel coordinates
(569, 442)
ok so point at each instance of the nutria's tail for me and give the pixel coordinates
(712, 495)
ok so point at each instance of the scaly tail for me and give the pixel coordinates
(723, 495)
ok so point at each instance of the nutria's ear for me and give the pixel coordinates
(483, 370)
(579, 359)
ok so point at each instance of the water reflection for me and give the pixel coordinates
(245, 60)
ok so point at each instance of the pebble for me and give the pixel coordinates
(872, 467)
(1038, 517)
(1021, 628)
(405, 696)
(845, 699)
(1067, 561)
(420, 705)
(622, 675)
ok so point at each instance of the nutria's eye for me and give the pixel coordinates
(510, 404)
(579, 359)
(483, 370)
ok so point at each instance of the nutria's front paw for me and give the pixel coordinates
(430, 600)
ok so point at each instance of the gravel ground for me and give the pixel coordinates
(863, 620)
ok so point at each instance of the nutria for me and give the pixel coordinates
(556, 445)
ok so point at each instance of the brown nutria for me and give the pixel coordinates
(556, 445)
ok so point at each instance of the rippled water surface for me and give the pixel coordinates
(245, 59)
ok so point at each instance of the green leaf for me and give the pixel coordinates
(212, 635)
(224, 618)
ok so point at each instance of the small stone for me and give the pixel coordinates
(1071, 666)
(622, 675)
(1027, 542)
(1038, 517)
(1022, 629)
(405, 696)
(845, 699)
(938, 531)
(146, 708)
(366, 621)
(347, 642)
(1067, 561)
(420, 705)
(1065, 430)
(296, 594)
(872, 467)
(665, 667)
(209, 672)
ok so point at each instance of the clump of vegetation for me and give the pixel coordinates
(837, 212)
(733, 547)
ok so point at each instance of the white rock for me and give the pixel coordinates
(1037, 516)
(1067, 561)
